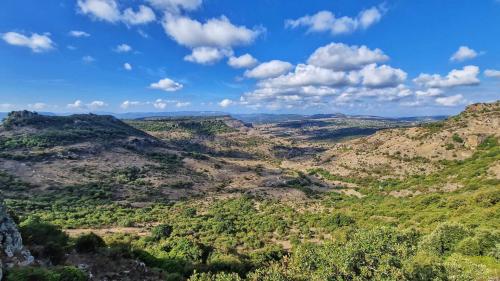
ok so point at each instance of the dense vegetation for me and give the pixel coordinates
(196, 126)
(447, 228)
(434, 236)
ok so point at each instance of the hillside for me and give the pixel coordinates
(211, 198)
(400, 153)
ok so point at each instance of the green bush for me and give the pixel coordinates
(70, 273)
(459, 268)
(161, 231)
(444, 239)
(35, 231)
(89, 243)
(31, 274)
(67, 273)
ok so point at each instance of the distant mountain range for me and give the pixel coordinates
(255, 118)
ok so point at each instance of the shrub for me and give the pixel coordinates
(34, 231)
(457, 138)
(89, 243)
(459, 268)
(444, 239)
(71, 273)
(67, 273)
(423, 267)
(161, 231)
(55, 253)
(30, 274)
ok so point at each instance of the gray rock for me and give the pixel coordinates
(12, 251)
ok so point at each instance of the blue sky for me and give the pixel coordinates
(389, 58)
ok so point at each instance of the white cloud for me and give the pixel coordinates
(432, 92)
(451, 100)
(339, 56)
(143, 16)
(310, 75)
(78, 104)
(127, 104)
(78, 33)
(106, 10)
(463, 53)
(167, 85)
(492, 73)
(38, 43)
(88, 59)
(244, 61)
(207, 55)
(96, 104)
(327, 21)
(123, 48)
(160, 104)
(127, 66)
(269, 69)
(374, 76)
(175, 6)
(464, 77)
(216, 32)
(226, 103)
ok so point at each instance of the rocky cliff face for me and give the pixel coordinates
(12, 252)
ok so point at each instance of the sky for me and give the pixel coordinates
(385, 58)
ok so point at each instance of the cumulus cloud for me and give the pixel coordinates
(339, 56)
(451, 100)
(463, 53)
(207, 55)
(167, 85)
(143, 16)
(123, 48)
(160, 104)
(335, 74)
(109, 11)
(269, 69)
(374, 76)
(457, 77)
(243, 61)
(38, 43)
(216, 32)
(305, 75)
(432, 92)
(175, 6)
(78, 33)
(226, 103)
(96, 104)
(105, 10)
(327, 21)
(492, 73)
(127, 66)
(127, 104)
(78, 104)
(210, 41)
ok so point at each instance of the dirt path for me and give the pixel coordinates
(106, 231)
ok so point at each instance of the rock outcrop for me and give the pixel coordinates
(12, 251)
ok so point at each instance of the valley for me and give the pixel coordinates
(327, 197)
